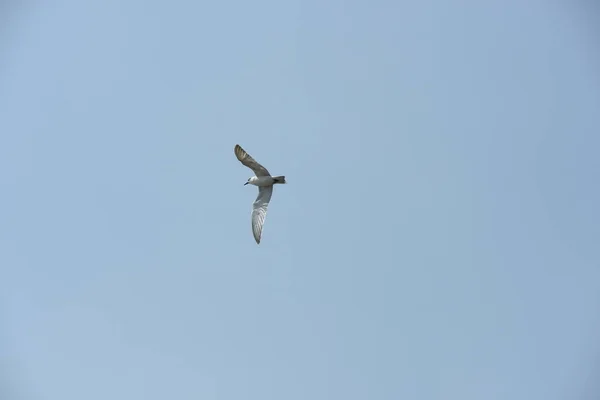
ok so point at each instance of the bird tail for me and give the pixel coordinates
(279, 179)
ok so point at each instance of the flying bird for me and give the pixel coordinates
(265, 182)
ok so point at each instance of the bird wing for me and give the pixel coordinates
(259, 210)
(250, 162)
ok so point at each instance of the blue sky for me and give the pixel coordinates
(437, 238)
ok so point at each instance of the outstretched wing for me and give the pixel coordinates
(250, 162)
(259, 210)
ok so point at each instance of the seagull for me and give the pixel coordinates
(265, 182)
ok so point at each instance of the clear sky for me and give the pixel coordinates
(438, 237)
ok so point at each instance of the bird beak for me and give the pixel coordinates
(245, 183)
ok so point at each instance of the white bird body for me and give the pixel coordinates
(261, 181)
(265, 182)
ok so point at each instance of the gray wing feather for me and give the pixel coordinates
(250, 162)
(259, 210)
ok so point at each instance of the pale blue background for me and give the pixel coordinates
(437, 239)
